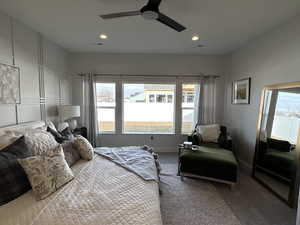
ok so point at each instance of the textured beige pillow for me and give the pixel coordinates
(209, 133)
(38, 141)
(47, 173)
(84, 148)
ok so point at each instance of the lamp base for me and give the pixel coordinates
(72, 124)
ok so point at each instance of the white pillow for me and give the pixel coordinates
(50, 124)
(84, 147)
(209, 133)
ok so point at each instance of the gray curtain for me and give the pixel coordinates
(207, 112)
(89, 117)
(197, 114)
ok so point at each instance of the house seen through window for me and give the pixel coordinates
(148, 108)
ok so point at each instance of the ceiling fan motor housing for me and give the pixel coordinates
(150, 12)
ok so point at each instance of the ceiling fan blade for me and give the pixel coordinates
(121, 14)
(152, 5)
(154, 2)
(170, 22)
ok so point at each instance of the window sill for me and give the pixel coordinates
(149, 134)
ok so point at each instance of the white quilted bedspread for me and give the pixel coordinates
(102, 193)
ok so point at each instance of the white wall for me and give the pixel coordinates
(44, 78)
(270, 59)
(146, 64)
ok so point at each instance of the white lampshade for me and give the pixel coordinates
(68, 111)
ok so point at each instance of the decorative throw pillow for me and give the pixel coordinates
(40, 142)
(13, 180)
(7, 139)
(279, 145)
(84, 147)
(57, 135)
(67, 133)
(47, 173)
(71, 154)
(209, 133)
(50, 124)
(61, 136)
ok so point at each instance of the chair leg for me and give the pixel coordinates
(181, 178)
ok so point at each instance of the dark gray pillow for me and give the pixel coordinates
(13, 179)
(58, 137)
(71, 154)
(67, 133)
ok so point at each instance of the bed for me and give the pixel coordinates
(101, 193)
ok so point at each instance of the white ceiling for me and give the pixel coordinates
(223, 25)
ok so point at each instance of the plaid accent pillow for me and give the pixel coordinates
(13, 179)
(62, 136)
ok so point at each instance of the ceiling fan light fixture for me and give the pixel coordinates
(103, 36)
(150, 15)
(195, 38)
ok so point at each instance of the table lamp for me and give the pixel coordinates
(68, 113)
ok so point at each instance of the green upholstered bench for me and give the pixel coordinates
(215, 164)
(212, 161)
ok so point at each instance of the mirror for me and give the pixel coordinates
(277, 145)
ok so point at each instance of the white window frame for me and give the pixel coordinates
(108, 107)
(177, 99)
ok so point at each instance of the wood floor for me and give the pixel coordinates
(251, 203)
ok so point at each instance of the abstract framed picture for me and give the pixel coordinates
(9, 84)
(241, 91)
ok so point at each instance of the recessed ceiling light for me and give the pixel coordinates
(195, 38)
(103, 36)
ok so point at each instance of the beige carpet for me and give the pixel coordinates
(192, 201)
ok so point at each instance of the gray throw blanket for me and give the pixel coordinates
(137, 159)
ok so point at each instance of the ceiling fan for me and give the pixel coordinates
(150, 12)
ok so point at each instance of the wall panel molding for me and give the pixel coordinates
(40, 95)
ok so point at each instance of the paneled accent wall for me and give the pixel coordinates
(44, 79)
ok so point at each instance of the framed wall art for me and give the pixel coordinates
(9, 84)
(241, 91)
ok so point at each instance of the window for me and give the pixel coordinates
(152, 98)
(148, 116)
(189, 106)
(106, 106)
(287, 117)
(190, 97)
(170, 98)
(160, 98)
